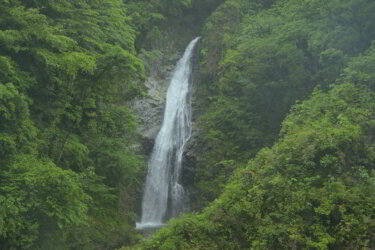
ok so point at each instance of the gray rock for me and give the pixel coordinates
(150, 108)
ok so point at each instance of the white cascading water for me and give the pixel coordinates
(164, 195)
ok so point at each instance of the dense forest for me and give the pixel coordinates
(283, 152)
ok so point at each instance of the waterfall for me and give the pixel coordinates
(164, 196)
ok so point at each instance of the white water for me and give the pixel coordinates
(164, 196)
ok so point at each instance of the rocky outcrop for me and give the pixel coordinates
(193, 152)
(149, 109)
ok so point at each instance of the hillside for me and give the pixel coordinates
(282, 150)
(284, 102)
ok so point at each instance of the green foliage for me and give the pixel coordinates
(66, 68)
(38, 196)
(69, 175)
(17, 132)
(258, 58)
(360, 69)
(313, 189)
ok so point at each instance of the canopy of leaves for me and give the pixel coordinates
(66, 68)
(257, 59)
(313, 189)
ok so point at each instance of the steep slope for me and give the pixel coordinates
(257, 59)
(67, 170)
(70, 174)
(312, 189)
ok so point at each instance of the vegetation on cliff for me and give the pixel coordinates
(65, 140)
(285, 107)
(312, 189)
(70, 177)
(257, 59)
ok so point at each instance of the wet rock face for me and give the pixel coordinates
(190, 163)
(193, 157)
(149, 112)
(150, 108)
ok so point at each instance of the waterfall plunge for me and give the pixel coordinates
(164, 195)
